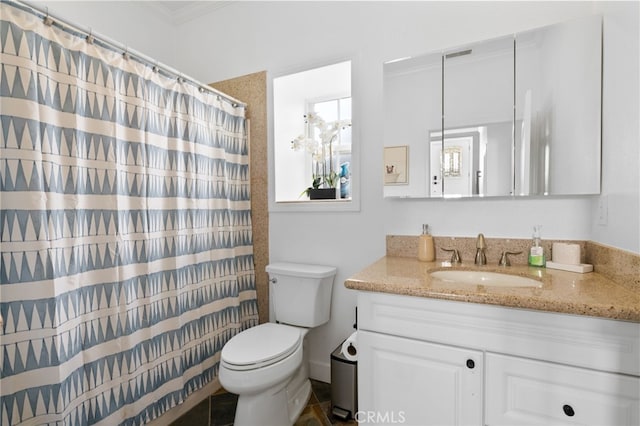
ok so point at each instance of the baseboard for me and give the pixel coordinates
(320, 371)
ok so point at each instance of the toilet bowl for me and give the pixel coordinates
(267, 365)
(261, 357)
(269, 379)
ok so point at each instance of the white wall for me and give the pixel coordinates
(129, 23)
(246, 37)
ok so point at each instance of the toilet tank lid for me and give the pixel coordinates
(301, 270)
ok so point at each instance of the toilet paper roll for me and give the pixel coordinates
(568, 254)
(350, 347)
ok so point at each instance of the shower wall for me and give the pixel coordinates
(252, 89)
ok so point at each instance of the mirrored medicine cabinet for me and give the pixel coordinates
(512, 116)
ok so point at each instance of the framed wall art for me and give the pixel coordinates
(396, 165)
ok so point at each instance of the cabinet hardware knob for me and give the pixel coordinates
(568, 410)
(470, 363)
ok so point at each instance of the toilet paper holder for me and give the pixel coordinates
(349, 347)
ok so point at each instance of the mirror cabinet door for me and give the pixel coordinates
(558, 109)
(412, 108)
(521, 116)
(478, 119)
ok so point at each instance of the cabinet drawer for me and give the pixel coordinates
(526, 392)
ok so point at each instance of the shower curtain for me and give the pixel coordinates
(127, 258)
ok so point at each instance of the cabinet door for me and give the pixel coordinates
(526, 392)
(417, 383)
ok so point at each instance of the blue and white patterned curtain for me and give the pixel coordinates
(127, 257)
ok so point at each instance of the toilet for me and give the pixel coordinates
(266, 365)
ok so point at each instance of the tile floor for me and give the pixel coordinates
(219, 410)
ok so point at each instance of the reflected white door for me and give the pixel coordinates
(455, 163)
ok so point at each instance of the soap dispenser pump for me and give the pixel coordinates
(426, 248)
(536, 254)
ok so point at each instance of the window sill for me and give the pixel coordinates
(325, 206)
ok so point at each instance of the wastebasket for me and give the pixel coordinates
(344, 385)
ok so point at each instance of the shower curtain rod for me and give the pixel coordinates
(92, 37)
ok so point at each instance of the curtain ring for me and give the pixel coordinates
(155, 68)
(125, 54)
(47, 19)
(90, 37)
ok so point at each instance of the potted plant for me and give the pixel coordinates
(328, 192)
(318, 141)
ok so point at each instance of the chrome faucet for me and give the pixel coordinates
(455, 255)
(504, 258)
(481, 258)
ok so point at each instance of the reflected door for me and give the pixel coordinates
(479, 97)
(452, 166)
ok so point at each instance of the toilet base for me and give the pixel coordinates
(278, 406)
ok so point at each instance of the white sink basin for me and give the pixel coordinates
(494, 279)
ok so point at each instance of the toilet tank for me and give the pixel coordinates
(301, 293)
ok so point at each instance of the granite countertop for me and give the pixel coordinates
(589, 294)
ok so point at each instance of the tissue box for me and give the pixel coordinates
(568, 254)
(567, 258)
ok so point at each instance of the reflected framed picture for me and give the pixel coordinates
(396, 165)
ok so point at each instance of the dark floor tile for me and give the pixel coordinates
(335, 420)
(313, 399)
(223, 408)
(321, 390)
(220, 391)
(312, 415)
(197, 416)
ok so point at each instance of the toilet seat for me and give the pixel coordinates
(260, 346)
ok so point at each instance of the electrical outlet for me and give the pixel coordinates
(603, 209)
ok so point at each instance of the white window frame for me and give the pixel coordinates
(306, 205)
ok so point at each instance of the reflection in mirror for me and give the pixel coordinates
(520, 116)
(412, 107)
(478, 118)
(558, 106)
(483, 165)
(475, 158)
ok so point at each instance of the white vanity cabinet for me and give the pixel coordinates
(527, 392)
(529, 367)
(418, 383)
